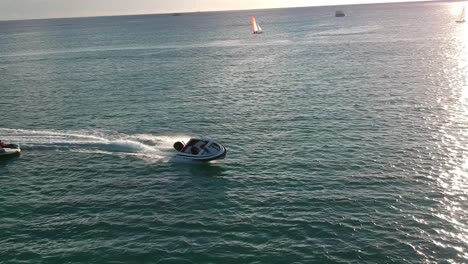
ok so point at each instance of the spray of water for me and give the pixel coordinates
(149, 147)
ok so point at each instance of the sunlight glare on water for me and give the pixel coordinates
(453, 181)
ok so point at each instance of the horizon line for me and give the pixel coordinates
(229, 10)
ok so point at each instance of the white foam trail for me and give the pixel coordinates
(144, 146)
(163, 141)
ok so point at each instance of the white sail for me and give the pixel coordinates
(461, 18)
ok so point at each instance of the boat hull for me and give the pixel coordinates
(339, 14)
(220, 154)
(11, 150)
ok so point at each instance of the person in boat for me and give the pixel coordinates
(194, 150)
(2, 145)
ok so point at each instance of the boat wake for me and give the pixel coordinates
(152, 148)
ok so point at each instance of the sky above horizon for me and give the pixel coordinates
(29, 9)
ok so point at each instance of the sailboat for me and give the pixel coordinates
(256, 29)
(461, 17)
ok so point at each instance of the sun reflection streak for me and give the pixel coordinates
(463, 64)
(453, 182)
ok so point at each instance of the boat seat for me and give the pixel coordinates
(205, 147)
(200, 144)
(208, 144)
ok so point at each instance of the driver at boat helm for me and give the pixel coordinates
(2, 145)
(194, 150)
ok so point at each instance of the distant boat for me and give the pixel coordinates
(461, 17)
(176, 14)
(256, 29)
(339, 14)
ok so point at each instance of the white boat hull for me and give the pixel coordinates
(10, 151)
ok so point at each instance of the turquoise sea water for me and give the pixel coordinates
(347, 137)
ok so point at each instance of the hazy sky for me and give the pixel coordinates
(26, 9)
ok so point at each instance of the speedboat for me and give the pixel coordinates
(10, 150)
(198, 149)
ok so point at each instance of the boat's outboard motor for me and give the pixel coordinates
(178, 146)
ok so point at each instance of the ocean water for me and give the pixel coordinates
(347, 137)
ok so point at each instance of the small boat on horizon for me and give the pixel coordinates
(461, 17)
(199, 149)
(339, 13)
(256, 29)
